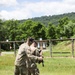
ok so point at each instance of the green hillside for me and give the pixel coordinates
(62, 49)
(53, 19)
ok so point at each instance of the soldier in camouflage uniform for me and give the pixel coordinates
(33, 69)
(22, 58)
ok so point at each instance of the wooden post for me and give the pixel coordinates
(72, 47)
(50, 44)
(40, 45)
(14, 49)
(0, 49)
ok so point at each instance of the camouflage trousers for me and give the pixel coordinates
(33, 70)
(21, 70)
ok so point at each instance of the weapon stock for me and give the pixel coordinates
(41, 62)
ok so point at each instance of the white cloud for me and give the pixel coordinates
(17, 14)
(51, 8)
(28, 9)
(8, 2)
(70, 2)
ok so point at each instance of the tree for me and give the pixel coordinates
(2, 33)
(24, 30)
(38, 30)
(31, 28)
(11, 29)
(69, 29)
(51, 31)
(60, 28)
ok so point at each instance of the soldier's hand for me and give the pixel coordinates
(40, 58)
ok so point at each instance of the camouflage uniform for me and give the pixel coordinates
(32, 63)
(22, 59)
(33, 70)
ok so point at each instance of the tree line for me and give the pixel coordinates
(53, 18)
(15, 30)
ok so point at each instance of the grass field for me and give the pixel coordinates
(7, 64)
(53, 66)
(61, 63)
(62, 49)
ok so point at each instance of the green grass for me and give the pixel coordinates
(61, 63)
(53, 66)
(57, 65)
(62, 49)
(7, 65)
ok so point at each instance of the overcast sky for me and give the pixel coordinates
(24, 9)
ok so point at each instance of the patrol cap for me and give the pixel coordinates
(31, 39)
(35, 42)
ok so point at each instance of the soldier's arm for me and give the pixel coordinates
(34, 57)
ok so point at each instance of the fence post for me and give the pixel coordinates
(0, 49)
(72, 47)
(50, 44)
(14, 49)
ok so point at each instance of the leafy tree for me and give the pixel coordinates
(60, 28)
(39, 31)
(25, 30)
(33, 29)
(11, 28)
(2, 31)
(51, 31)
(69, 29)
(63, 21)
(58, 34)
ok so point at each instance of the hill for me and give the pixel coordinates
(53, 19)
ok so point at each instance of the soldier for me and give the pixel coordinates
(22, 58)
(32, 63)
